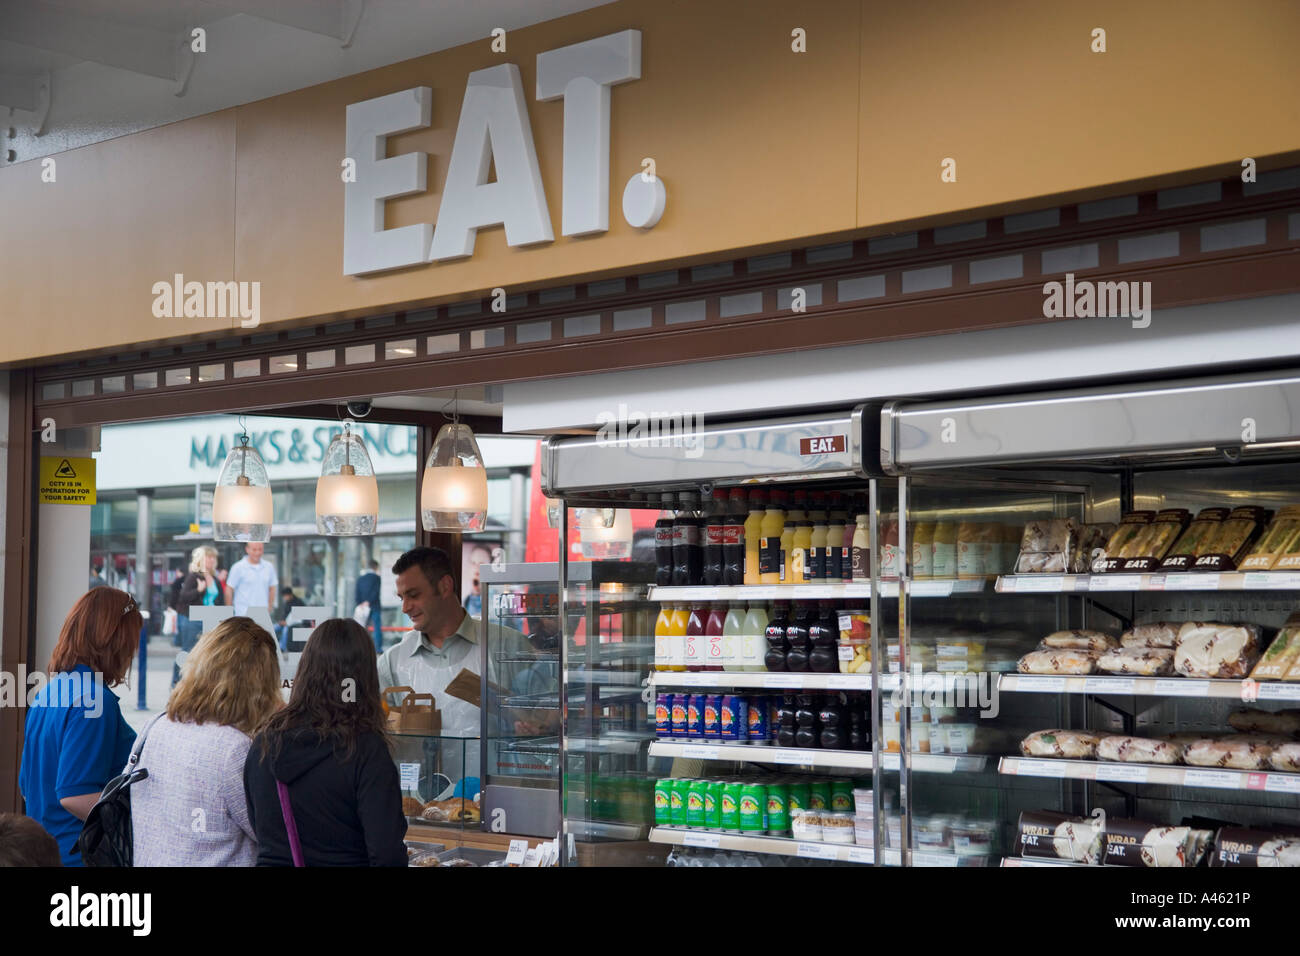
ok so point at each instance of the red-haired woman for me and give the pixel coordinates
(76, 740)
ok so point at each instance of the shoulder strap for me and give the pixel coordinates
(139, 741)
(290, 825)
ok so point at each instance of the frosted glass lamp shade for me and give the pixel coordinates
(347, 492)
(453, 491)
(601, 542)
(241, 501)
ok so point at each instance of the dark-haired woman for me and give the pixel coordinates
(329, 748)
(76, 739)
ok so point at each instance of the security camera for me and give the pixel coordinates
(359, 407)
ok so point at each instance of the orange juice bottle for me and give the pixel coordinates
(770, 557)
(677, 637)
(663, 643)
(753, 534)
(794, 518)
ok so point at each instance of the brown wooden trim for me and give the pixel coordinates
(17, 638)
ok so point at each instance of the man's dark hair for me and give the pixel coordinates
(288, 591)
(24, 842)
(432, 561)
(374, 565)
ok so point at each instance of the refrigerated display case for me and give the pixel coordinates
(435, 788)
(957, 620)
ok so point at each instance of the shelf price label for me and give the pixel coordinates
(1282, 782)
(790, 756)
(1030, 583)
(816, 851)
(694, 838)
(861, 854)
(700, 753)
(1122, 773)
(783, 680)
(1040, 768)
(1035, 683)
(851, 681)
(410, 774)
(1111, 685)
(1218, 779)
(515, 857)
(1115, 582)
(939, 588)
(1186, 582)
(1181, 687)
(1269, 691)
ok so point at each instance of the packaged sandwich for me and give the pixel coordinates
(1280, 657)
(1058, 661)
(1046, 546)
(1130, 527)
(1127, 749)
(1289, 558)
(1216, 650)
(1282, 723)
(1159, 634)
(1138, 843)
(1191, 543)
(1276, 540)
(1242, 752)
(1139, 661)
(1091, 545)
(1237, 846)
(1070, 744)
(971, 553)
(1232, 540)
(1285, 757)
(1080, 640)
(1145, 552)
(1059, 837)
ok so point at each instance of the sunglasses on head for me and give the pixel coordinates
(130, 606)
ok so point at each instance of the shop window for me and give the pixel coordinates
(466, 308)
(745, 303)
(833, 253)
(1231, 235)
(627, 319)
(283, 363)
(399, 349)
(212, 373)
(533, 332)
(964, 232)
(581, 325)
(657, 280)
(112, 384)
(1029, 221)
(424, 315)
(379, 322)
(1070, 258)
(899, 243)
(718, 270)
(487, 338)
(53, 390)
(564, 294)
(812, 295)
(324, 358)
(1108, 208)
(860, 287)
(779, 260)
(248, 368)
(678, 312)
(144, 380)
(176, 376)
(1272, 182)
(1293, 227)
(607, 287)
(440, 344)
(359, 354)
(997, 269)
(83, 387)
(1160, 245)
(924, 280)
(1189, 195)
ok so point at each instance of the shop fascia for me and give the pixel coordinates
(493, 128)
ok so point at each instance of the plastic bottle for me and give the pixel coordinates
(663, 641)
(664, 542)
(733, 635)
(753, 640)
(677, 638)
(807, 733)
(816, 570)
(890, 562)
(797, 634)
(733, 538)
(695, 638)
(713, 641)
(786, 724)
(861, 560)
(835, 538)
(824, 640)
(775, 635)
(754, 534)
(923, 550)
(688, 555)
(771, 557)
(715, 517)
(795, 551)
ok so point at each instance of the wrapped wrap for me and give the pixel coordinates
(1070, 744)
(1216, 650)
(1058, 837)
(1047, 546)
(1058, 661)
(1159, 634)
(1139, 750)
(1080, 640)
(1141, 661)
(1282, 723)
(1285, 757)
(1237, 753)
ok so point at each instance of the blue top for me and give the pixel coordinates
(210, 595)
(368, 589)
(75, 741)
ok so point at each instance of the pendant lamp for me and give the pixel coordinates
(347, 493)
(453, 492)
(606, 533)
(241, 501)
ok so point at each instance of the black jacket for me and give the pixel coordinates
(192, 591)
(348, 813)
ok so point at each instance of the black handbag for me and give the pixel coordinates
(106, 837)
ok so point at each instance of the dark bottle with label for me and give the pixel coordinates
(807, 733)
(715, 516)
(688, 553)
(776, 639)
(796, 635)
(664, 542)
(834, 732)
(785, 722)
(859, 719)
(824, 640)
(733, 538)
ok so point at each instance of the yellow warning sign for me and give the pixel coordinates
(67, 481)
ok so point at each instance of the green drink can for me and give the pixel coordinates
(819, 796)
(842, 795)
(663, 800)
(695, 804)
(713, 804)
(729, 807)
(778, 809)
(677, 802)
(753, 808)
(800, 796)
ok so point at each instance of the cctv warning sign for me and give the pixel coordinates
(67, 481)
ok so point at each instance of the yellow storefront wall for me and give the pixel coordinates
(758, 146)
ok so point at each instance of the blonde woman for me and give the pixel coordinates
(191, 810)
(202, 586)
